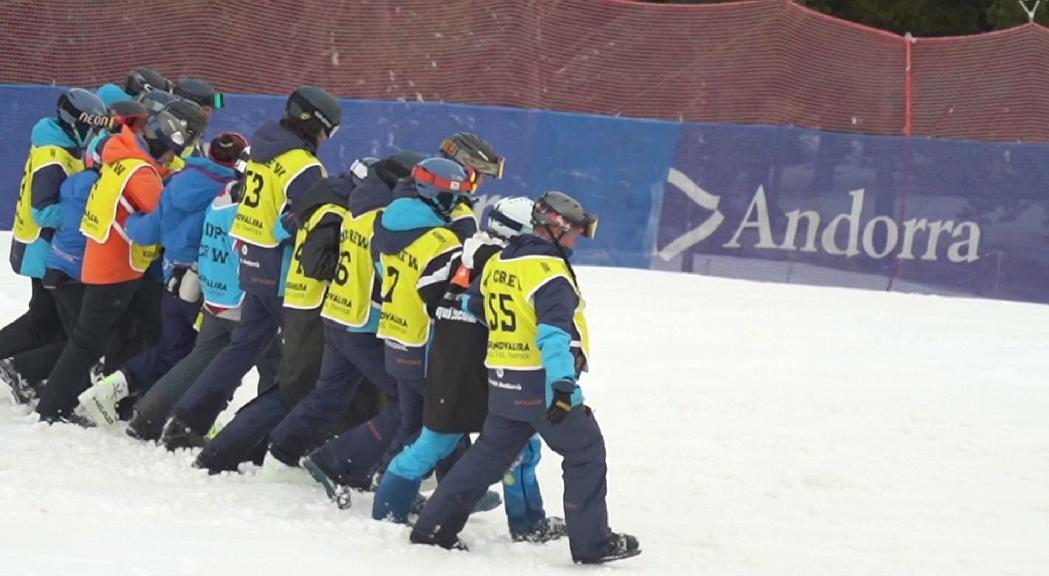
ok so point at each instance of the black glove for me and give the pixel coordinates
(562, 403)
(320, 252)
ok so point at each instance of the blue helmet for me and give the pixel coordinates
(80, 112)
(436, 176)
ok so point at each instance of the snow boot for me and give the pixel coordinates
(395, 498)
(22, 391)
(551, 528)
(338, 493)
(99, 402)
(620, 546)
(453, 543)
(490, 501)
(177, 435)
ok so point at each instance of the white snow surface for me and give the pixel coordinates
(757, 429)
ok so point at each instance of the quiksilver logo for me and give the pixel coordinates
(846, 234)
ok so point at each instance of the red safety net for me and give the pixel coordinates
(760, 61)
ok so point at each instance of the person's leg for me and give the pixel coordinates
(578, 440)
(176, 340)
(524, 502)
(485, 463)
(308, 424)
(304, 337)
(214, 387)
(102, 306)
(39, 325)
(400, 483)
(238, 440)
(154, 407)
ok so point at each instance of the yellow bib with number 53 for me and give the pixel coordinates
(266, 195)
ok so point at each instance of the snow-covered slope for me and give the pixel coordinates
(755, 429)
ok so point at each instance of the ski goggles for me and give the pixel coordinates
(587, 228)
(421, 174)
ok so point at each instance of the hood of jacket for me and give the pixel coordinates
(272, 140)
(48, 132)
(371, 194)
(194, 187)
(531, 245)
(330, 190)
(402, 222)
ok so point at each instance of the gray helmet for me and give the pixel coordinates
(80, 112)
(475, 152)
(144, 79)
(177, 126)
(560, 211)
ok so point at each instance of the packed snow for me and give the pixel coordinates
(758, 429)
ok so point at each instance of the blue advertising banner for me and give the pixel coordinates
(761, 202)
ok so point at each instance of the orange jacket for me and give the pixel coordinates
(109, 262)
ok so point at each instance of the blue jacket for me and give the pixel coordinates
(218, 262)
(179, 220)
(30, 260)
(464, 226)
(68, 243)
(555, 304)
(404, 221)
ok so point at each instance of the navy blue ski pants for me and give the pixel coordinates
(177, 335)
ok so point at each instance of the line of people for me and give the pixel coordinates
(386, 328)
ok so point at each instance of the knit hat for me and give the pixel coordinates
(227, 147)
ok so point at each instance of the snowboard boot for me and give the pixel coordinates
(22, 391)
(550, 529)
(620, 546)
(395, 498)
(490, 501)
(337, 492)
(177, 436)
(99, 402)
(438, 539)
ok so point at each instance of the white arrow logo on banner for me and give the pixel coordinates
(703, 231)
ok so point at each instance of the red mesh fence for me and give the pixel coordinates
(760, 61)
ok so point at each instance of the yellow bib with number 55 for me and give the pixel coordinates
(513, 327)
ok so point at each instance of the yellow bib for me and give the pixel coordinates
(177, 163)
(403, 317)
(266, 195)
(100, 215)
(349, 297)
(25, 227)
(508, 287)
(301, 291)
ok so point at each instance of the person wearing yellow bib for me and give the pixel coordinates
(282, 167)
(538, 344)
(415, 246)
(130, 181)
(57, 147)
(336, 250)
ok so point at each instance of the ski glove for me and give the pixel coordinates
(562, 403)
(320, 251)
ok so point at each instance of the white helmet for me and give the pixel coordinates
(511, 216)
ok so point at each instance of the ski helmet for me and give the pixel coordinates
(80, 112)
(399, 165)
(360, 169)
(155, 101)
(511, 216)
(475, 152)
(198, 91)
(144, 79)
(442, 183)
(560, 211)
(127, 113)
(177, 126)
(316, 109)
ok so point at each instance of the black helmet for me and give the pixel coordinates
(80, 112)
(398, 165)
(155, 101)
(315, 109)
(559, 210)
(475, 152)
(144, 79)
(198, 91)
(177, 126)
(127, 113)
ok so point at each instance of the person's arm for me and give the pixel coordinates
(143, 193)
(434, 279)
(44, 196)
